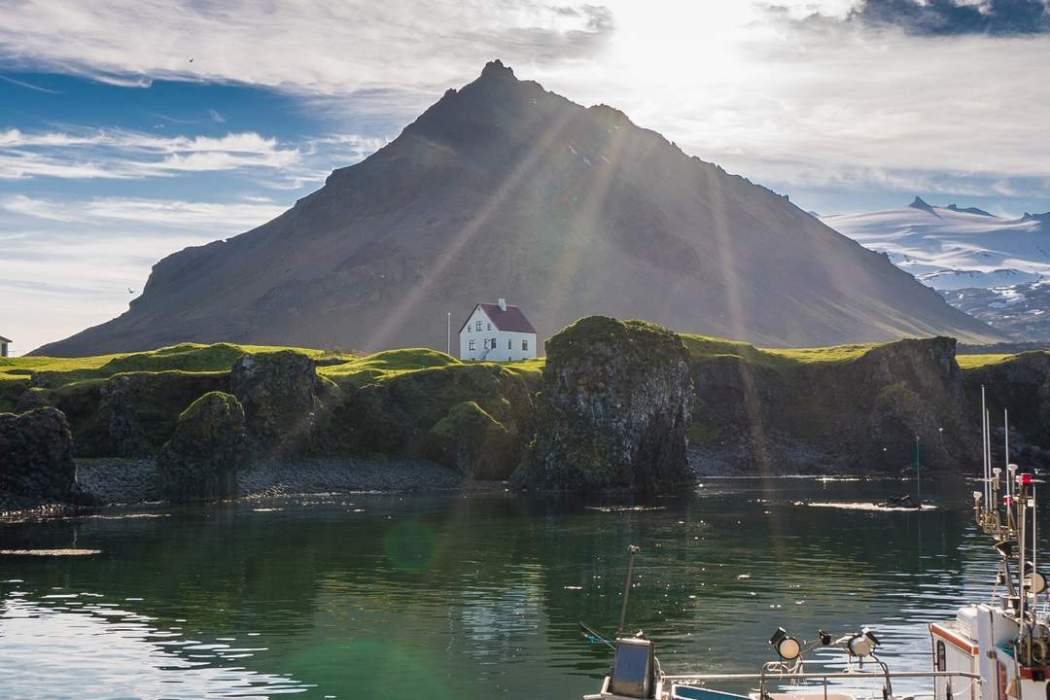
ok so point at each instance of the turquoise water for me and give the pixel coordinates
(476, 596)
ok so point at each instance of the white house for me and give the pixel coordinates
(3, 346)
(498, 332)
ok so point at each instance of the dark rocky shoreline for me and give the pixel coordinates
(109, 483)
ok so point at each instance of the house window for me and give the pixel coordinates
(524, 343)
(509, 341)
(470, 344)
(490, 326)
(477, 326)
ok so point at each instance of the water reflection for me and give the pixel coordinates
(381, 596)
(71, 645)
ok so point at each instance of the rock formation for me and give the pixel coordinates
(471, 441)
(865, 413)
(613, 410)
(475, 418)
(36, 455)
(131, 414)
(281, 395)
(209, 447)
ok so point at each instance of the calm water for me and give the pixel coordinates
(453, 596)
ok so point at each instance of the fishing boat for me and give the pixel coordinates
(997, 649)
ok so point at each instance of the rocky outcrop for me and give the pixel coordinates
(208, 448)
(780, 415)
(36, 455)
(281, 394)
(613, 410)
(1020, 385)
(132, 414)
(427, 413)
(474, 443)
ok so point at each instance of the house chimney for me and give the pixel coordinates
(502, 304)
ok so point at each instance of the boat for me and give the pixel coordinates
(996, 649)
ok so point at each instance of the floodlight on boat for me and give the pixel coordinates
(863, 644)
(1035, 582)
(787, 647)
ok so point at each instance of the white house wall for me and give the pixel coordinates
(488, 330)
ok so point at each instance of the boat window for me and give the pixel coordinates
(941, 663)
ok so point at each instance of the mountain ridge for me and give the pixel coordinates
(504, 189)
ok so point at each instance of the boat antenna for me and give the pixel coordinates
(1006, 436)
(632, 549)
(984, 450)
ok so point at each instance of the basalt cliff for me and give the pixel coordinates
(615, 405)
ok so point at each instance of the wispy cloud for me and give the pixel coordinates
(202, 218)
(28, 85)
(110, 154)
(313, 48)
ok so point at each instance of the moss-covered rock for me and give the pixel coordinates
(281, 394)
(397, 415)
(36, 455)
(614, 408)
(861, 412)
(471, 441)
(33, 398)
(208, 448)
(1021, 385)
(133, 414)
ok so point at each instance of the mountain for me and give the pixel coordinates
(502, 189)
(952, 247)
(995, 269)
(1022, 311)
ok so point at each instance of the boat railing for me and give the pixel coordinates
(824, 677)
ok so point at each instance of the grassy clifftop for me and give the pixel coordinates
(358, 370)
(755, 407)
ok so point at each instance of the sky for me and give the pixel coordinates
(130, 130)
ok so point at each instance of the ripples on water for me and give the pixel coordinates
(467, 597)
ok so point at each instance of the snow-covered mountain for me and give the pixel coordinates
(953, 247)
(993, 268)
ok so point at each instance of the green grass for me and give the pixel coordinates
(978, 361)
(186, 357)
(703, 347)
(369, 369)
(359, 370)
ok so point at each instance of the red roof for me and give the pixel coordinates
(510, 320)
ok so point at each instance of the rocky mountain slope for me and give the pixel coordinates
(502, 189)
(995, 269)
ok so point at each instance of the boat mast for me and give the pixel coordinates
(984, 452)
